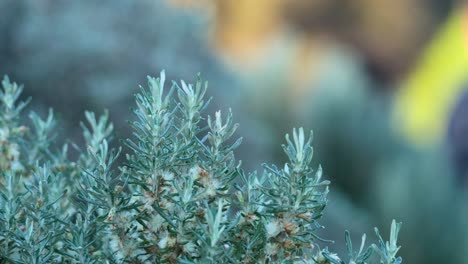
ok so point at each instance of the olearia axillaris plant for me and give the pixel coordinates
(180, 196)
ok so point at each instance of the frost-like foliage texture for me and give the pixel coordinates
(178, 196)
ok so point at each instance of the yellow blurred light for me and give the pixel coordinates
(424, 103)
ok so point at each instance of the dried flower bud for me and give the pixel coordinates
(251, 217)
(288, 244)
(306, 216)
(203, 173)
(118, 189)
(291, 228)
(200, 213)
(39, 203)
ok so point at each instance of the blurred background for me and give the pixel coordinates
(382, 83)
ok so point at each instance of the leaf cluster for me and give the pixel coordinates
(180, 196)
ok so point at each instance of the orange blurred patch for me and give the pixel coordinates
(243, 27)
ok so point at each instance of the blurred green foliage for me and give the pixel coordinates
(380, 175)
(86, 55)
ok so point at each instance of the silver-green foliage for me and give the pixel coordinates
(179, 197)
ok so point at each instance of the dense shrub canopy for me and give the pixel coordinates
(180, 196)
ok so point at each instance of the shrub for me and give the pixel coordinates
(179, 196)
